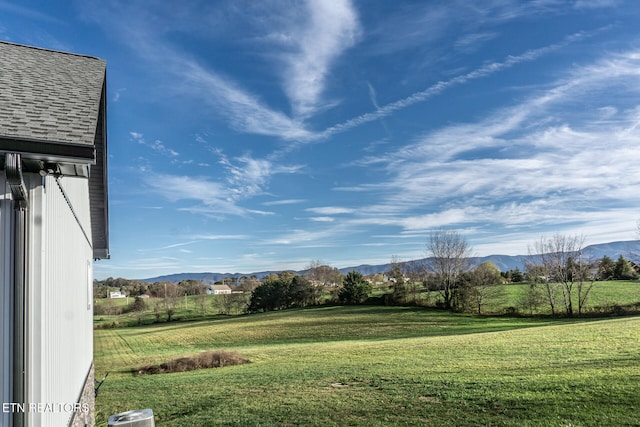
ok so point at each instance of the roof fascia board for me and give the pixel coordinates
(98, 183)
(49, 151)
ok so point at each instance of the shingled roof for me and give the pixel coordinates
(53, 113)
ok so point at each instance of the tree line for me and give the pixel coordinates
(557, 274)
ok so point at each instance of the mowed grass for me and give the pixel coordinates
(379, 366)
(612, 296)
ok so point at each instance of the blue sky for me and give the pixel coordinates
(248, 136)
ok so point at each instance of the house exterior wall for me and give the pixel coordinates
(218, 289)
(59, 299)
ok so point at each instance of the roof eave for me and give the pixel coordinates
(55, 152)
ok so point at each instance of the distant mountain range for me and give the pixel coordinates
(629, 249)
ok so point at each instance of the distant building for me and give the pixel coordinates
(117, 294)
(218, 289)
(53, 224)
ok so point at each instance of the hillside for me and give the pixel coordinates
(629, 249)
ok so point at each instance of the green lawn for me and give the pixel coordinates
(602, 297)
(379, 366)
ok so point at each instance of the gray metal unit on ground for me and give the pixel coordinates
(137, 418)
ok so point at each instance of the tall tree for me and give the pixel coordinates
(303, 293)
(269, 296)
(623, 269)
(450, 254)
(396, 275)
(560, 259)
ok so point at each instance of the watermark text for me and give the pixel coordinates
(21, 408)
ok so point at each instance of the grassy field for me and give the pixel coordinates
(379, 366)
(603, 296)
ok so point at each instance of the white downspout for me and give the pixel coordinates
(13, 172)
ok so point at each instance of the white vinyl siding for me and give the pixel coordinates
(60, 331)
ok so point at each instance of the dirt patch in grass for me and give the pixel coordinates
(204, 360)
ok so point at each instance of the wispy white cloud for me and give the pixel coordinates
(248, 177)
(304, 53)
(322, 219)
(471, 42)
(596, 4)
(214, 199)
(324, 237)
(284, 202)
(117, 93)
(244, 179)
(156, 145)
(535, 164)
(430, 24)
(245, 111)
(438, 88)
(330, 29)
(373, 96)
(175, 245)
(220, 237)
(331, 210)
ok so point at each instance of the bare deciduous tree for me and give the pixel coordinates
(321, 274)
(450, 254)
(558, 262)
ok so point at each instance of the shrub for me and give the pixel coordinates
(204, 360)
(138, 305)
(510, 311)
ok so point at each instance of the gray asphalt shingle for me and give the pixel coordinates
(49, 96)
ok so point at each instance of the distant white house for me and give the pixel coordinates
(117, 294)
(218, 289)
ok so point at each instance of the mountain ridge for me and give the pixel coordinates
(627, 248)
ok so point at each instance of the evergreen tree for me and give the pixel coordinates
(623, 269)
(517, 276)
(355, 289)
